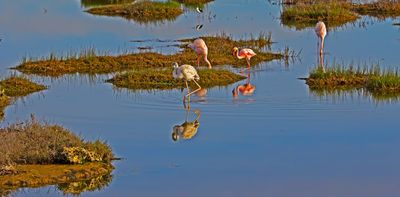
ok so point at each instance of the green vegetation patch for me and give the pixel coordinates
(88, 63)
(70, 179)
(94, 3)
(143, 11)
(162, 79)
(306, 13)
(16, 86)
(379, 9)
(382, 83)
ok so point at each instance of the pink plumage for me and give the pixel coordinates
(320, 30)
(201, 49)
(244, 53)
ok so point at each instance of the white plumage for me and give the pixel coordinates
(187, 73)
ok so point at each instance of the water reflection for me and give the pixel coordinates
(246, 89)
(95, 184)
(72, 188)
(188, 129)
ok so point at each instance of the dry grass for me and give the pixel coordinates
(32, 142)
(142, 12)
(88, 63)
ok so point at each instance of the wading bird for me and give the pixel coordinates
(244, 53)
(187, 73)
(320, 30)
(201, 49)
(187, 130)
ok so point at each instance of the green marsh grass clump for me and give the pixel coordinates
(142, 12)
(194, 3)
(94, 3)
(16, 86)
(379, 9)
(380, 83)
(306, 13)
(162, 79)
(219, 46)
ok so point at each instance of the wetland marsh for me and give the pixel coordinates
(285, 138)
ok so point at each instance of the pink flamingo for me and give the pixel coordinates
(320, 30)
(201, 49)
(244, 53)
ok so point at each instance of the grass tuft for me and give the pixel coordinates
(142, 12)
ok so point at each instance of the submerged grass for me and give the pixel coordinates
(305, 13)
(383, 83)
(142, 12)
(88, 63)
(162, 79)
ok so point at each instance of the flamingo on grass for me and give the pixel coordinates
(244, 53)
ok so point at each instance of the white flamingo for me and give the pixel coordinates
(201, 49)
(320, 30)
(187, 73)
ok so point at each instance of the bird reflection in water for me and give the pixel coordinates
(246, 89)
(188, 129)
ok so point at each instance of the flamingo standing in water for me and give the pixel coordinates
(320, 30)
(201, 49)
(187, 73)
(244, 53)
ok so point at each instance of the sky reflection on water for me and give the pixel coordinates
(281, 141)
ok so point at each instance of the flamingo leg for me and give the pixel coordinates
(184, 97)
(199, 87)
(322, 46)
(198, 61)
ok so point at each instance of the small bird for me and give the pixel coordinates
(187, 73)
(187, 130)
(244, 53)
(320, 30)
(201, 49)
(199, 10)
(198, 27)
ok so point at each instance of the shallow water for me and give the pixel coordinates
(283, 140)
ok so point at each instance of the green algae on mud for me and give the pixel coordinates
(142, 12)
(70, 179)
(162, 79)
(380, 83)
(302, 14)
(219, 54)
